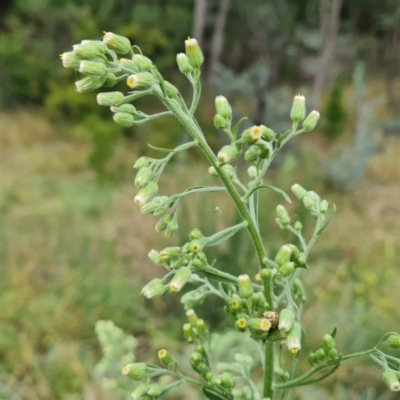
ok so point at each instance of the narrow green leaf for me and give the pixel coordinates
(334, 332)
(161, 149)
(221, 236)
(282, 137)
(215, 277)
(332, 209)
(214, 395)
(237, 126)
(274, 188)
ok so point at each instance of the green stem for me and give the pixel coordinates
(192, 127)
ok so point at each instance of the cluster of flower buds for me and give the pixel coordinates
(326, 350)
(192, 59)
(311, 200)
(288, 258)
(259, 139)
(223, 117)
(298, 114)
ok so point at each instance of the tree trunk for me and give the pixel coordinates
(330, 20)
(200, 12)
(218, 39)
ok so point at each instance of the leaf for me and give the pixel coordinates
(331, 215)
(215, 277)
(213, 395)
(282, 137)
(280, 191)
(221, 236)
(237, 126)
(161, 149)
(334, 332)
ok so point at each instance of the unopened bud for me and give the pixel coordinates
(194, 53)
(141, 80)
(245, 286)
(265, 275)
(170, 253)
(142, 62)
(146, 193)
(144, 176)
(223, 107)
(228, 154)
(86, 51)
(323, 206)
(229, 171)
(124, 119)
(286, 269)
(195, 234)
(110, 99)
(259, 324)
(180, 279)
(298, 226)
(320, 354)
(393, 341)
(165, 358)
(127, 63)
(252, 171)
(332, 353)
(153, 289)
(311, 121)
(284, 254)
(163, 222)
(140, 391)
(110, 81)
(183, 63)
(119, 44)
(195, 246)
(142, 162)
(172, 91)
(299, 191)
(154, 390)
(70, 60)
(220, 122)
(312, 359)
(92, 68)
(172, 227)
(201, 327)
(293, 338)
(329, 342)
(212, 171)
(136, 371)
(188, 332)
(308, 202)
(125, 108)
(286, 320)
(89, 83)
(298, 111)
(100, 46)
(192, 317)
(252, 154)
(283, 215)
(391, 380)
(154, 256)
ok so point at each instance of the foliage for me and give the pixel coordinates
(268, 310)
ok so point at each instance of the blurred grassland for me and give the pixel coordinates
(73, 251)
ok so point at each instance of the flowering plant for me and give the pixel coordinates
(268, 308)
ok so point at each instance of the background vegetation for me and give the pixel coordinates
(73, 247)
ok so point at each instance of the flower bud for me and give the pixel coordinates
(265, 275)
(136, 371)
(286, 269)
(329, 342)
(188, 333)
(299, 191)
(391, 380)
(201, 327)
(293, 338)
(142, 62)
(332, 353)
(125, 108)
(252, 154)
(194, 53)
(110, 99)
(92, 68)
(172, 91)
(124, 119)
(70, 60)
(144, 176)
(311, 121)
(130, 64)
(88, 84)
(283, 215)
(320, 354)
(258, 299)
(393, 341)
(223, 107)
(140, 391)
(284, 254)
(180, 279)
(86, 51)
(298, 226)
(119, 44)
(146, 193)
(153, 289)
(154, 390)
(163, 222)
(252, 171)
(172, 227)
(195, 234)
(265, 149)
(183, 63)
(259, 324)
(308, 202)
(100, 46)
(142, 162)
(245, 286)
(195, 246)
(323, 206)
(110, 80)
(227, 381)
(192, 317)
(229, 171)
(286, 320)
(298, 111)
(228, 154)
(170, 253)
(241, 324)
(314, 196)
(235, 304)
(141, 80)
(212, 171)
(255, 133)
(220, 122)
(154, 256)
